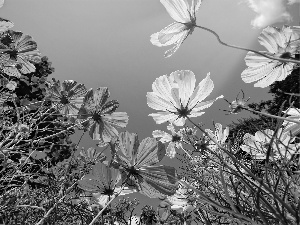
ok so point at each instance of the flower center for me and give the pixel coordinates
(132, 171)
(12, 54)
(64, 100)
(176, 138)
(108, 192)
(286, 55)
(183, 112)
(97, 117)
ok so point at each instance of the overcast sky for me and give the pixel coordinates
(107, 43)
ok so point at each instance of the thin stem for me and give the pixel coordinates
(246, 49)
(246, 169)
(50, 210)
(187, 153)
(53, 135)
(99, 214)
(269, 115)
(32, 206)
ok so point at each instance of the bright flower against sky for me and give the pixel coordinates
(264, 70)
(177, 97)
(292, 128)
(258, 145)
(219, 135)
(22, 51)
(296, 43)
(137, 163)
(177, 32)
(102, 183)
(174, 138)
(103, 120)
(67, 96)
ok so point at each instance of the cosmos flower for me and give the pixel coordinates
(177, 32)
(219, 136)
(103, 120)
(137, 163)
(20, 52)
(264, 70)
(178, 202)
(67, 96)
(292, 128)
(102, 183)
(259, 144)
(174, 138)
(177, 97)
(11, 85)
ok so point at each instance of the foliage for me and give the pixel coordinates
(249, 175)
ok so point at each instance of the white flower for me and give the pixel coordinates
(177, 32)
(175, 139)
(219, 136)
(259, 144)
(296, 43)
(178, 202)
(264, 70)
(177, 97)
(102, 183)
(11, 85)
(292, 128)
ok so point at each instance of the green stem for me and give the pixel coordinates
(246, 49)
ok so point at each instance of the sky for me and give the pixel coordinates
(106, 43)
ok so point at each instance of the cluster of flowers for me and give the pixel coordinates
(177, 98)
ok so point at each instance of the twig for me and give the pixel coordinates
(246, 49)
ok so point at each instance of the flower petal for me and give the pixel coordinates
(204, 88)
(162, 117)
(108, 177)
(182, 36)
(177, 9)
(171, 152)
(149, 152)
(160, 178)
(254, 60)
(186, 83)
(101, 95)
(195, 7)
(170, 35)
(156, 102)
(165, 137)
(204, 105)
(264, 137)
(162, 87)
(128, 144)
(268, 38)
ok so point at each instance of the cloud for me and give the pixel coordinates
(291, 2)
(270, 11)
